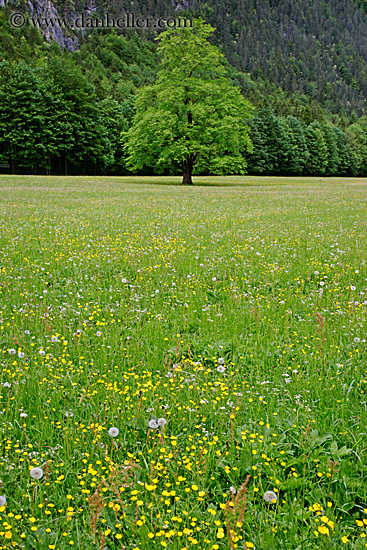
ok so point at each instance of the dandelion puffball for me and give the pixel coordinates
(162, 422)
(2, 501)
(36, 473)
(153, 424)
(270, 497)
(113, 432)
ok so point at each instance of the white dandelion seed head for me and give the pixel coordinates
(153, 424)
(352, 288)
(69, 413)
(36, 473)
(41, 352)
(21, 355)
(162, 422)
(214, 279)
(270, 497)
(54, 339)
(26, 332)
(99, 333)
(221, 368)
(357, 340)
(113, 432)
(23, 415)
(233, 490)
(220, 361)
(12, 351)
(2, 500)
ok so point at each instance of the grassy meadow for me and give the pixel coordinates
(171, 355)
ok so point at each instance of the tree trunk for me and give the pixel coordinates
(187, 172)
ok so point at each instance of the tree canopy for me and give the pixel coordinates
(193, 117)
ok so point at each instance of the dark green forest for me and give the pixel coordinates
(303, 65)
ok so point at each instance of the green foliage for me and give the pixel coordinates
(192, 116)
(271, 144)
(64, 112)
(356, 140)
(317, 148)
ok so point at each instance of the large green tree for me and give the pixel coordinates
(193, 117)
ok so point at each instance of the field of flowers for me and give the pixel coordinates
(183, 368)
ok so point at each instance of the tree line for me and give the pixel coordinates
(83, 112)
(52, 122)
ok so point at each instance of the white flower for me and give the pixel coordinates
(162, 422)
(153, 424)
(6, 385)
(99, 333)
(23, 415)
(26, 332)
(54, 339)
(270, 497)
(221, 368)
(2, 500)
(113, 432)
(12, 351)
(21, 355)
(41, 352)
(220, 361)
(123, 280)
(214, 279)
(36, 473)
(233, 490)
(69, 413)
(357, 340)
(352, 288)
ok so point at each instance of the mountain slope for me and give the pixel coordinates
(312, 47)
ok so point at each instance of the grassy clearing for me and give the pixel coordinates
(220, 328)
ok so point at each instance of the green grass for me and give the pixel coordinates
(118, 303)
